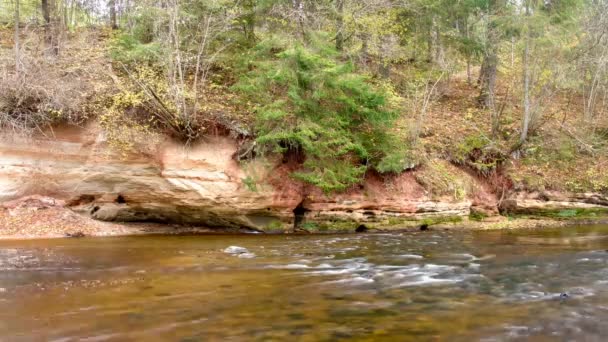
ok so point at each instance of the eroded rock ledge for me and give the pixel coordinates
(203, 185)
(556, 204)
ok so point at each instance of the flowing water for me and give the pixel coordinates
(544, 285)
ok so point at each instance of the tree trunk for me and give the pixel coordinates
(594, 88)
(385, 63)
(488, 79)
(469, 82)
(112, 6)
(429, 46)
(64, 12)
(17, 47)
(468, 35)
(487, 74)
(489, 66)
(364, 48)
(46, 14)
(250, 22)
(298, 7)
(72, 12)
(340, 25)
(49, 30)
(434, 42)
(439, 49)
(482, 71)
(526, 76)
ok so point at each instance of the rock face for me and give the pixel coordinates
(200, 184)
(399, 202)
(197, 185)
(556, 204)
(203, 185)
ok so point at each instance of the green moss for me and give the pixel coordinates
(338, 226)
(311, 227)
(395, 221)
(477, 216)
(334, 226)
(441, 220)
(250, 183)
(408, 222)
(274, 226)
(574, 213)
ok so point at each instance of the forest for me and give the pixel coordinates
(515, 91)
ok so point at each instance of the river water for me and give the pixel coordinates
(541, 285)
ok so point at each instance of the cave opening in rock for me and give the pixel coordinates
(120, 199)
(361, 229)
(298, 214)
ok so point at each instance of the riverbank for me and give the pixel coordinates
(72, 183)
(39, 217)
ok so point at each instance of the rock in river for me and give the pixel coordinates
(236, 250)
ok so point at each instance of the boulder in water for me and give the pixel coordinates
(246, 255)
(236, 250)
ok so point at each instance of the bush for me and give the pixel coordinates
(440, 178)
(126, 48)
(309, 102)
(479, 153)
(70, 88)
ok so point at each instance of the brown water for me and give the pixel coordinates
(433, 285)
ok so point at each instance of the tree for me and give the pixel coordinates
(249, 22)
(546, 28)
(593, 62)
(312, 104)
(48, 9)
(16, 46)
(112, 8)
(527, 113)
(489, 65)
(340, 24)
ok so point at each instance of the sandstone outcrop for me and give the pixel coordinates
(203, 185)
(556, 204)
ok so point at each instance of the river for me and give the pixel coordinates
(542, 285)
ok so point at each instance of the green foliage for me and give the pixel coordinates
(309, 102)
(250, 183)
(438, 178)
(576, 213)
(312, 227)
(128, 49)
(593, 179)
(274, 226)
(479, 153)
(567, 213)
(430, 221)
(396, 161)
(477, 216)
(560, 150)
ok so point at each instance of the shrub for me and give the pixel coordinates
(316, 105)
(69, 88)
(146, 102)
(441, 179)
(479, 153)
(127, 49)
